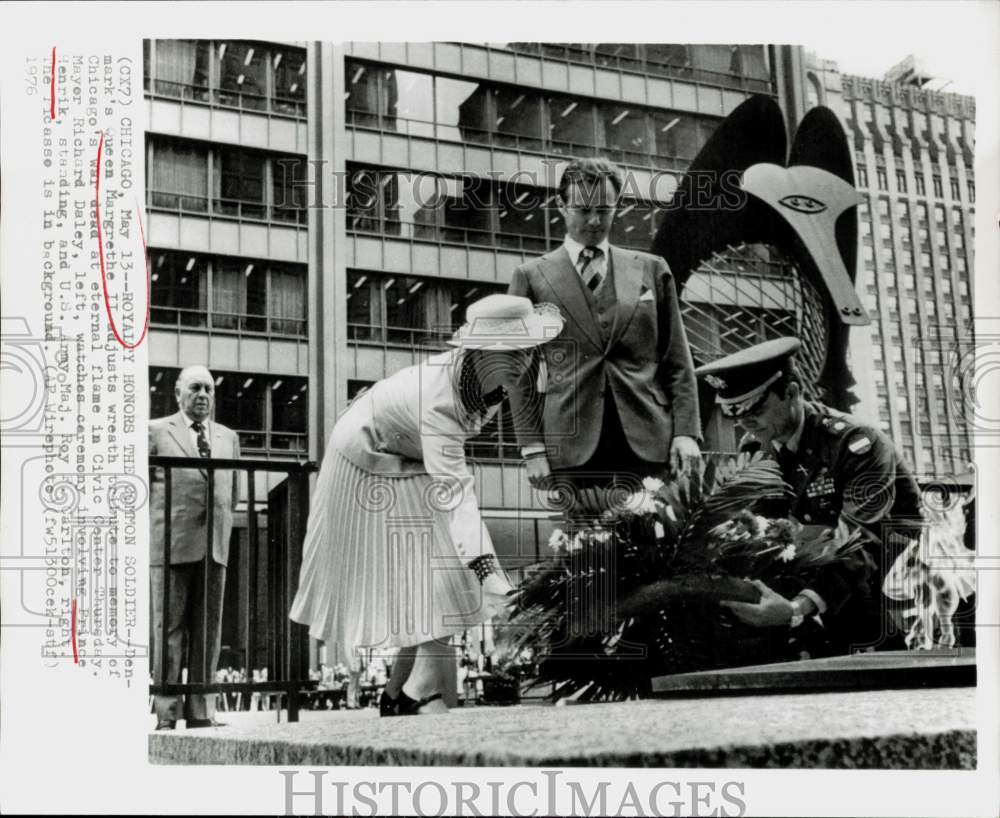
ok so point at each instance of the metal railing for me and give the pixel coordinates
(241, 209)
(227, 98)
(644, 65)
(522, 143)
(166, 315)
(360, 223)
(286, 647)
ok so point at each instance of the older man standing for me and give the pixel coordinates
(194, 619)
(620, 391)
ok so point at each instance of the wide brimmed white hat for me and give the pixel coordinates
(507, 322)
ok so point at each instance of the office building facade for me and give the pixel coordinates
(914, 152)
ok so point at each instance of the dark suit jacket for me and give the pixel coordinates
(646, 363)
(189, 491)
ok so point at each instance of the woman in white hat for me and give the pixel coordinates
(396, 554)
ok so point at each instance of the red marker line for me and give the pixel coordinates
(76, 655)
(52, 86)
(104, 275)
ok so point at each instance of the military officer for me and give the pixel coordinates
(844, 475)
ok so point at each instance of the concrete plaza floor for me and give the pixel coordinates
(883, 729)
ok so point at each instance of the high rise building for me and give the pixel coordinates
(914, 151)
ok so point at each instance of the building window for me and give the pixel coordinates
(407, 310)
(413, 110)
(882, 179)
(732, 66)
(900, 181)
(938, 187)
(242, 75)
(625, 131)
(227, 293)
(633, 225)
(178, 179)
(269, 412)
(953, 182)
(522, 214)
(972, 191)
(180, 69)
(679, 136)
(570, 124)
(289, 183)
(517, 118)
(178, 176)
(179, 289)
(239, 184)
(420, 104)
(918, 182)
(862, 176)
(250, 76)
(461, 111)
(356, 387)
(465, 210)
(289, 66)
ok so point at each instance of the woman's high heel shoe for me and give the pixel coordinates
(403, 705)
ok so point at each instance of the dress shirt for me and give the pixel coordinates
(193, 435)
(574, 248)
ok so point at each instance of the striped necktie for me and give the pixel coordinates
(590, 270)
(203, 448)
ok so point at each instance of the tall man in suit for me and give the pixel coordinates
(190, 432)
(620, 392)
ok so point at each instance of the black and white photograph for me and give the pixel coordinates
(506, 410)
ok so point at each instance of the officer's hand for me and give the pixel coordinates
(685, 454)
(538, 471)
(772, 609)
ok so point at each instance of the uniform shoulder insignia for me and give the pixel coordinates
(860, 444)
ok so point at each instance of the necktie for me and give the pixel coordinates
(203, 448)
(590, 271)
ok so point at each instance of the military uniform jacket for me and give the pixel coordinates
(845, 471)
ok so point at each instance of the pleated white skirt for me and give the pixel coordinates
(379, 570)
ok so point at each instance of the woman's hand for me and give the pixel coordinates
(496, 590)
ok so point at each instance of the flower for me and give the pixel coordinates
(652, 484)
(787, 554)
(601, 535)
(575, 544)
(558, 540)
(641, 503)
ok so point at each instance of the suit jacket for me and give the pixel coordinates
(412, 423)
(646, 363)
(189, 493)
